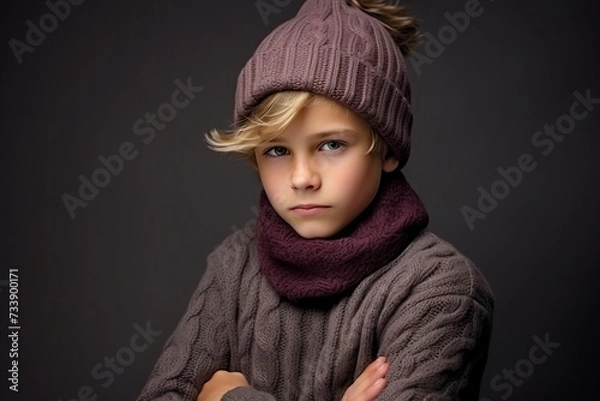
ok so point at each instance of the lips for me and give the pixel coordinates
(307, 210)
(309, 206)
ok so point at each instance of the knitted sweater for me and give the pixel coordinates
(429, 312)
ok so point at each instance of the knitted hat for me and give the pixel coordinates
(335, 49)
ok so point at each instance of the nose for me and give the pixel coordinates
(304, 175)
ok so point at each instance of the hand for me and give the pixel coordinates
(220, 383)
(370, 383)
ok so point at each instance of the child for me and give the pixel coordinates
(337, 292)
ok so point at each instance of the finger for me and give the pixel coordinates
(369, 393)
(372, 372)
(373, 391)
(241, 378)
(371, 377)
(371, 368)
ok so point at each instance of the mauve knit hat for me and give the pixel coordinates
(335, 49)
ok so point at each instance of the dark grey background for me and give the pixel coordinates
(137, 251)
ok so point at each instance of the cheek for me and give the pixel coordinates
(272, 184)
(266, 174)
(356, 182)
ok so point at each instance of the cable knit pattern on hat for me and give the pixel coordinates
(334, 49)
(429, 311)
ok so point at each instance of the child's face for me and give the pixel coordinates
(301, 167)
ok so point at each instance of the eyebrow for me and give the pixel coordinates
(324, 134)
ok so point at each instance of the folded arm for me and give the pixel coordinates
(437, 344)
(199, 347)
(195, 350)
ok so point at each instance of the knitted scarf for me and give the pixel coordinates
(307, 270)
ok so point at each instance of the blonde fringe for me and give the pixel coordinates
(273, 115)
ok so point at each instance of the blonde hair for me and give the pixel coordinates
(267, 120)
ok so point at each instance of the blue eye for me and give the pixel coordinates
(269, 151)
(278, 151)
(336, 145)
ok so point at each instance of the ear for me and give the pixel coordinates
(390, 162)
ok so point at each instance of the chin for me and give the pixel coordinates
(313, 230)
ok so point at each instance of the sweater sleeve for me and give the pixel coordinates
(247, 394)
(437, 342)
(196, 349)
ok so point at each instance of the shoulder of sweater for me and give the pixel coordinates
(431, 266)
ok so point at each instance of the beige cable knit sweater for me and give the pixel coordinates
(429, 312)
